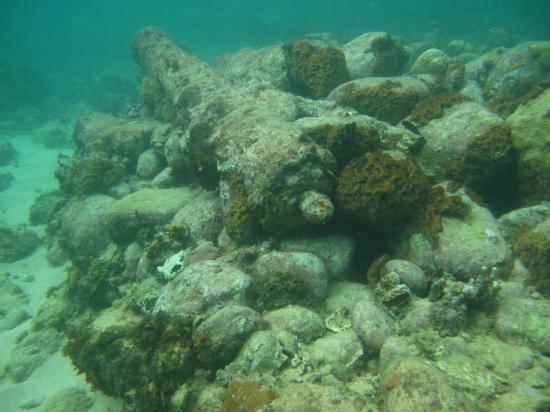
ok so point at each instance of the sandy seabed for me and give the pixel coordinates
(34, 174)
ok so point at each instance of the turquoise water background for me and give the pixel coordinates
(59, 33)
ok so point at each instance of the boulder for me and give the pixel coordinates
(146, 208)
(389, 99)
(302, 322)
(202, 285)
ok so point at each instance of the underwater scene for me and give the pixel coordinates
(275, 206)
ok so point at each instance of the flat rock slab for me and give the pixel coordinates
(145, 208)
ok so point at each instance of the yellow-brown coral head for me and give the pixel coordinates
(382, 190)
(314, 70)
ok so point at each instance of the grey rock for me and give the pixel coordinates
(525, 322)
(448, 138)
(363, 60)
(529, 122)
(515, 71)
(391, 292)
(265, 66)
(302, 322)
(176, 151)
(339, 354)
(164, 179)
(202, 285)
(372, 324)
(11, 300)
(418, 385)
(218, 339)
(45, 206)
(32, 351)
(202, 216)
(306, 271)
(149, 164)
(84, 225)
(262, 353)
(513, 224)
(409, 274)
(417, 317)
(145, 208)
(394, 350)
(67, 400)
(345, 295)
(104, 133)
(5, 180)
(469, 246)
(336, 251)
(17, 243)
(431, 61)
(316, 208)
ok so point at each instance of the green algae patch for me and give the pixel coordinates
(314, 70)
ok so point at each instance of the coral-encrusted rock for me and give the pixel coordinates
(372, 324)
(530, 125)
(525, 321)
(289, 277)
(302, 322)
(101, 132)
(374, 54)
(202, 285)
(448, 139)
(217, 340)
(389, 99)
(145, 208)
(313, 69)
(382, 190)
(84, 228)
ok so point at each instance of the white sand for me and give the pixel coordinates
(34, 174)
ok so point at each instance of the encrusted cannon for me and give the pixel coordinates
(264, 164)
